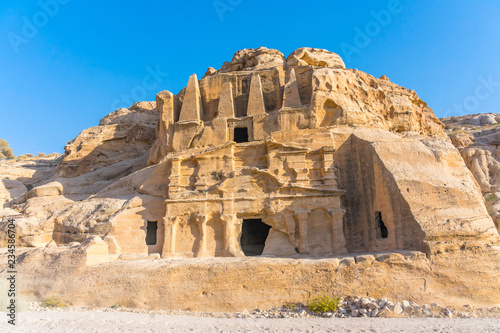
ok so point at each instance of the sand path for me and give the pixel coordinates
(99, 322)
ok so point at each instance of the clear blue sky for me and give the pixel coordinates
(74, 66)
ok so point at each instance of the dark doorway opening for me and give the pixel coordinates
(151, 231)
(240, 134)
(382, 231)
(253, 237)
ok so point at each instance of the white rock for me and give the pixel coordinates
(398, 308)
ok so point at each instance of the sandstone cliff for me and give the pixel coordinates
(297, 158)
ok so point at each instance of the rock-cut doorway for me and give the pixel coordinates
(253, 236)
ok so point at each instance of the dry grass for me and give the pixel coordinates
(53, 302)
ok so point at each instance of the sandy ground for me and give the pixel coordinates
(99, 322)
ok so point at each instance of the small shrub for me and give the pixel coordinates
(457, 130)
(323, 303)
(115, 306)
(290, 306)
(5, 151)
(217, 175)
(53, 302)
(490, 200)
(41, 155)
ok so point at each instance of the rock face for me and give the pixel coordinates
(295, 158)
(307, 56)
(42, 189)
(478, 139)
(122, 135)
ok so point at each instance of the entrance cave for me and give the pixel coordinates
(253, 236)
(382, 231)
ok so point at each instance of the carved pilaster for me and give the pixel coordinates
(302, 217)
(329, 177)
(201, 221)
(338, 238)
(232, 232)
(174, 187)
(290, 228)
(170, 232)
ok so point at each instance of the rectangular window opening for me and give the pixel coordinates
(240, 134)
(151, 233)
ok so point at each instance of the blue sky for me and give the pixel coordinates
(64, 67)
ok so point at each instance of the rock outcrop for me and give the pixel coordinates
(293, 158)
(125, 134)
(478, 139)
(38, 190)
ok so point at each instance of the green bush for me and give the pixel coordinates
(323, 303)
(53, 302)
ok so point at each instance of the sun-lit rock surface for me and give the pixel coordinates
(337, 175)
(477, 137)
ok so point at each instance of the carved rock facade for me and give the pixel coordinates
(350, 180)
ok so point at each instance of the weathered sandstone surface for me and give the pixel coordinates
(125, 134)
(477, 137)
(37, 191)
(316, 177)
